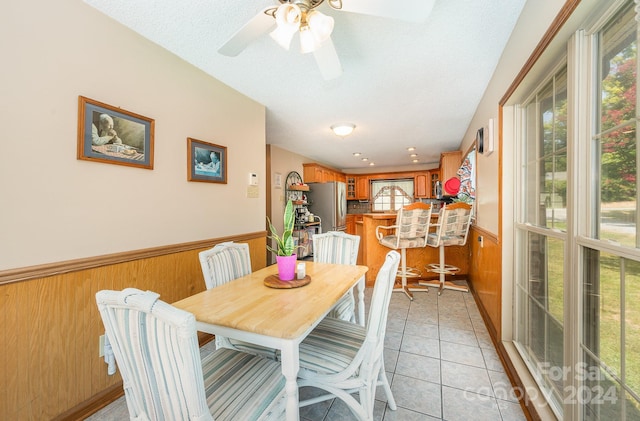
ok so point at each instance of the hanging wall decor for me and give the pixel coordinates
(206, 162)
(114, 136)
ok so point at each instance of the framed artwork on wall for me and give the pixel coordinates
(206, 162)
(114, 136)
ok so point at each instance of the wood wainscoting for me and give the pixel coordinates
(49, 365)
(485, 276)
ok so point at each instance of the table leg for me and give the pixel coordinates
(290, 366)
(360, 289)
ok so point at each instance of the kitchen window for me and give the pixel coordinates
(391, 195)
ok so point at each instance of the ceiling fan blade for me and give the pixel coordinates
(259, 25)
(407, 10)
(328, 61)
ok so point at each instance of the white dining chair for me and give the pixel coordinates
(164, 378)
(224, 263)
(341, 248)
(342, 358)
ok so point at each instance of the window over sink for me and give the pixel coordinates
(391, 195)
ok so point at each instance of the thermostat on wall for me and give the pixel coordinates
(253, 179)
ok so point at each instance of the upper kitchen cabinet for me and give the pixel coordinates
(351, 187)
(421, 185)
(449, 164)
(316, 173)
(434, 177)
(362, 187)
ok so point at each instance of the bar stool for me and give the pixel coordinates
(410, 231)
(452, 229)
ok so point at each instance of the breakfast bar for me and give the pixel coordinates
(372, 253)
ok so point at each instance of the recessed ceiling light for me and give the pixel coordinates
(415, 161)
(413, 155)
(365, 159)
(357, 154)
(411, 148)
(371, 164)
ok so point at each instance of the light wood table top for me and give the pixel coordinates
(246, 304)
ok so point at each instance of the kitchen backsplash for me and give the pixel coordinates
(355, 206)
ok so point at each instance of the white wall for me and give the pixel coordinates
(535, 19)
(54, 207)
(282, 162)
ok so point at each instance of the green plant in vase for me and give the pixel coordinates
(284, 246)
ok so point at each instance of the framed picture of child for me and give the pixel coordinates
(206, 162)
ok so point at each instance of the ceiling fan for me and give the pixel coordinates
(314, 28)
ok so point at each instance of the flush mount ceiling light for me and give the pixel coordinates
(343, 129)
(411, 148)
(357, 154)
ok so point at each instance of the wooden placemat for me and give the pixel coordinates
(272, 281)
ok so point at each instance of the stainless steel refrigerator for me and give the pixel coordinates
(329, 202)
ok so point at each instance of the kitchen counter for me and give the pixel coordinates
(372, 253)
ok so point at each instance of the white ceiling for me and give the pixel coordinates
(403, 84)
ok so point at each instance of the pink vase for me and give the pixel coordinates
(286, 267)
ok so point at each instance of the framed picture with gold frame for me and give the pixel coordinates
(112, 135)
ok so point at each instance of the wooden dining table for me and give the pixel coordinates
(246, 309)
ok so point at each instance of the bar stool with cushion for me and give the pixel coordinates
(220, 265)
(452, 229)
(409, 231)
(341, 248)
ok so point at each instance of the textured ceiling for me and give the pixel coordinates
(403, 84)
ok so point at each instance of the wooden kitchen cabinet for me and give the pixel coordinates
(434, 177)
(362, 187)
(449, 164)
(422, 185)
(353, 220)
(351, 224)
(316, 173)
(351, 187)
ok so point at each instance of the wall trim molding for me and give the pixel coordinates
(50, 269)
(485, 233)
(554, 28)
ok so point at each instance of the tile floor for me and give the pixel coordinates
(440, 362)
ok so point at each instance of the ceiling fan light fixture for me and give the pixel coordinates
(308, 42)
(343, 129)
(320, 24)
(288, 17)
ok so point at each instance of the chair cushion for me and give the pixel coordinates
(240, 386)
(432, 240)
(344, 308)
(404, 243)
(262, 351)
(331, 346)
